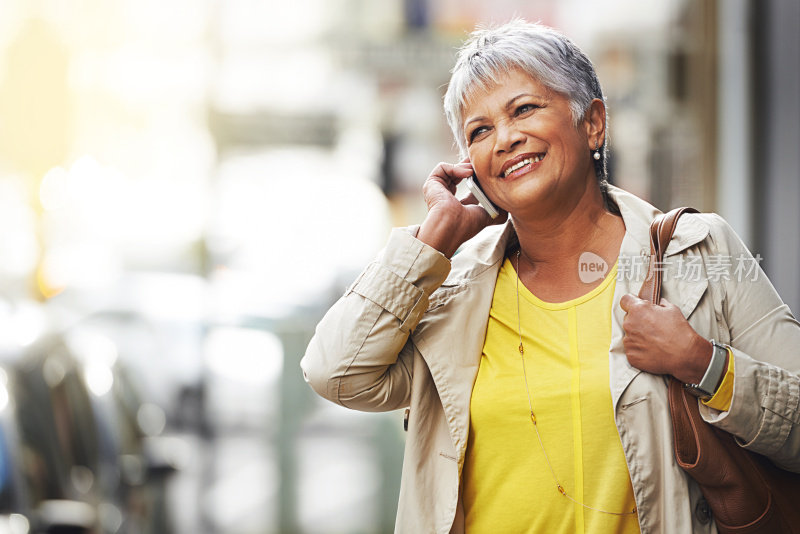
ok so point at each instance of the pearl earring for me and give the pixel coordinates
(596, 155)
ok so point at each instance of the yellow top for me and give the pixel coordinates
(507, 484)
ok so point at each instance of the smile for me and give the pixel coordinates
(527, 161)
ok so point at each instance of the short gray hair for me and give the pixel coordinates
(545, 54)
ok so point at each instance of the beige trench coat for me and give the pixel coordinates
(410, 330)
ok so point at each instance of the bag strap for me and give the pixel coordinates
(661, 230)
(685, 416)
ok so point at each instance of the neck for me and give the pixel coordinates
(564, 232)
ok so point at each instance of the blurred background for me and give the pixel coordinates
(187, 185)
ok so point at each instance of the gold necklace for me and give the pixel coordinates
(559, 486)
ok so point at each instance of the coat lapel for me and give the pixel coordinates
(680, 285)
(452, 336)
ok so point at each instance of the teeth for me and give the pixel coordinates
(522, 163)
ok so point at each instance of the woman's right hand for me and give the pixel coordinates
(450, 221)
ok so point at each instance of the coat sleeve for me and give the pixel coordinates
(765, 340)
(360, 356)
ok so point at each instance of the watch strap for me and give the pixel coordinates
(716, 368)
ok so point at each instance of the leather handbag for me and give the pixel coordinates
(746, 492)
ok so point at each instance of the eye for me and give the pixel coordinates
(525, 108)
(477, 132)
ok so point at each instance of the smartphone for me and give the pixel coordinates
(475, 188)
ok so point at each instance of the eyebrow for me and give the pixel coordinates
(509, 104)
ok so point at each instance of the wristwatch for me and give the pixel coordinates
(716, 368)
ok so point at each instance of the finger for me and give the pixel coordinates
(666, 304)
(451, 175)
(461, 171)
(469, 200)
(435, 182)
(445, 169)
(500, 219)
(627, 301)
(480, 214)
(502, 215)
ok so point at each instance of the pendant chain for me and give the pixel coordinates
(559, 487)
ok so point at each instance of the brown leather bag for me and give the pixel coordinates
(746, 492)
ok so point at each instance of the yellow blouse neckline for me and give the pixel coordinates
(536, 301)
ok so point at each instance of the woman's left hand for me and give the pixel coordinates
(658, 339)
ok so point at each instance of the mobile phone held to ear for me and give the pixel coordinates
(475, 188)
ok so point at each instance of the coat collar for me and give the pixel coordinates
(488, 249)
(638, 214)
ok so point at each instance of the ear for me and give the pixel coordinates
(595, 123)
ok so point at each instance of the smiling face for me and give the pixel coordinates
(524, 146)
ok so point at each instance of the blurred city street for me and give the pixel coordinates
(187, 185)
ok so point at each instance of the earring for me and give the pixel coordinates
(596, 155)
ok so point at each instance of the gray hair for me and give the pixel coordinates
(545, 54)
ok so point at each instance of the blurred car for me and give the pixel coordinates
(26, 508)
(78, 450)
(15, 508)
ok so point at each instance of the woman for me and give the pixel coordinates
(537, 394)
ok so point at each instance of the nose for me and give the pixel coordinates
(508, 137)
